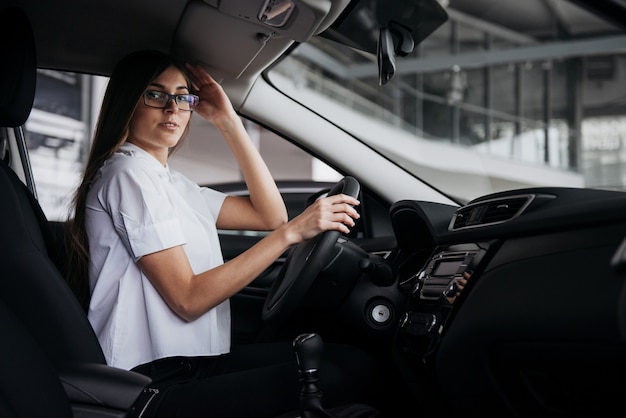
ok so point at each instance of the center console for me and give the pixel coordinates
(433, 292)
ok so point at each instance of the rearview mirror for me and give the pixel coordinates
(386, 57)
(387, 28)
(394, 40)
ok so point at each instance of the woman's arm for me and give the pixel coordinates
(265, 209)
(191, 295)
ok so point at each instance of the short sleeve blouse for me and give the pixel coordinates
(136, 206)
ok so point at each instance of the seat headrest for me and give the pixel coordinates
(18, 67)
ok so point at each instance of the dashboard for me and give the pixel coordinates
(545, 292)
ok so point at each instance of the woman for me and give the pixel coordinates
(146, 238)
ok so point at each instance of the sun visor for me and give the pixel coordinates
(236, 37)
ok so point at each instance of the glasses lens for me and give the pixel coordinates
(186, 101)
(154, 98)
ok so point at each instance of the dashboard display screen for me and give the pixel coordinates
(447, 268)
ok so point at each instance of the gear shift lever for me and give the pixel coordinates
(309, 348)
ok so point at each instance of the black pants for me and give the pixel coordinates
(255, 380)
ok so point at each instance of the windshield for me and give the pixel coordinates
(504, 94)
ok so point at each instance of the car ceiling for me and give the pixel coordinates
(229, 39)
(226, 36)
(94, 35)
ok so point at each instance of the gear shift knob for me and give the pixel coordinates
(309, 348)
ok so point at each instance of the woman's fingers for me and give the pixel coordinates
(326, 214)
(339, 198)
(339, 211)
(199, 76)
(194, 76)
(342, 203)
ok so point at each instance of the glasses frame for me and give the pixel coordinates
(171, 97)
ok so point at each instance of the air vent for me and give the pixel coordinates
(489, 212)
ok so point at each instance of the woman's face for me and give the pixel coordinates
(157, 130)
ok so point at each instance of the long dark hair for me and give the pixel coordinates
(130, 78)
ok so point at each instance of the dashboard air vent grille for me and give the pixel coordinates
(489, 212)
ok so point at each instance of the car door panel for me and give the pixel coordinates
(247, 305)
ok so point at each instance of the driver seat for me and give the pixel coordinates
(39, 312)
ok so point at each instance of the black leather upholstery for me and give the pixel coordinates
(31, 284)
(29, 386)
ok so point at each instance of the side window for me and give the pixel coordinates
(57, 134)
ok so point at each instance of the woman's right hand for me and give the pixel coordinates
(191, 295)
(332, 213)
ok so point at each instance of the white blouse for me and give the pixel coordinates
(136, 206)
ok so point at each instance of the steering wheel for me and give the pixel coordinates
(304, 264)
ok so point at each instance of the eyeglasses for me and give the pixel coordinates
(161, 100)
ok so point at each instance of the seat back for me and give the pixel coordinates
(31, 285)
